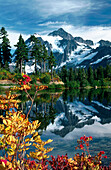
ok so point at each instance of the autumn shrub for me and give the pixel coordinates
(18, 134)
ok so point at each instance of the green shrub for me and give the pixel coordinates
(73, 84)
(84, 83)
(96, 83)
(45, 79)
(17, 76)
(58, 86)
(51, 86)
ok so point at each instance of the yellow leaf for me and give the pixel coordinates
(27, 155)
(48, 141)
(3, 164)
(8, 128)
(4, 121)
(27, 139)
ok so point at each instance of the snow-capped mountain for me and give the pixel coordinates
(78, 52)
(75, 51)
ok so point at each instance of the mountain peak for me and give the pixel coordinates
(62, 33)
(104, 43)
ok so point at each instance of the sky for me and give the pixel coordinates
(90, 19)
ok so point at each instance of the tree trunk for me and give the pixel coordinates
(21, 66)
(35, 67)
(44, 67)
(51, 73)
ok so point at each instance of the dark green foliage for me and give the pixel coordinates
(64, 74)
(36, 51)
(83, 78)
(71, 74)
(58, 86)
(18, 76)
(5, 48)
(21, 54)
(84, 83)
(95, 74)
(100, 72)
(90, 75)
(107, 72)
(52, 63)
(44, 58)
(73, 84)
(45, 79)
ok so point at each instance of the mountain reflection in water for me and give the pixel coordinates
(67, 116)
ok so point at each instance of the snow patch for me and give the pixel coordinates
(54, 40)
(99, 60)
(57, 123)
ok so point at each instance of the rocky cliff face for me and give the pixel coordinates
(60, 32)
(75, 51)
(105, 43)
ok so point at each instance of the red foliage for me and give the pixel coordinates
(59, 163)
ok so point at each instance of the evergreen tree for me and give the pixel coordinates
(82, 77)
(5, 48)
(90, 75)
(71, 74)
(21, 53)
(80, 74)
(36, 51)
(52, 63)
(100, 73)
(44, 58)
(108, 71)
(95, 74)
(64, 74)
(0, 56)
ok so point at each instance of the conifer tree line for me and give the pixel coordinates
(38, 53)
(39, 56)
(80, 77)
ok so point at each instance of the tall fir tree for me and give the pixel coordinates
(0, 56)
(90, 75)
(36, 52)
(44, 58)
(95, 74)
(108, 71)
(64, 74)
(21, 53)
(100, 72)
(52, 63)
(5, 49)
(71, 74)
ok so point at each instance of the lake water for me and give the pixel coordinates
(66, 116)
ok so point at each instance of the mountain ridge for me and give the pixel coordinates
(75, 51)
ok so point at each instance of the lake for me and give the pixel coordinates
(66, 116)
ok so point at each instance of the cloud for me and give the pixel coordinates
(48, 8)
(79, 18)
(95, 33)
(57, 7)
(86, 32)
(14, 36)
(35, 15)
(50, 23)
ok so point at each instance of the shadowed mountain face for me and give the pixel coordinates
(75, 51)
